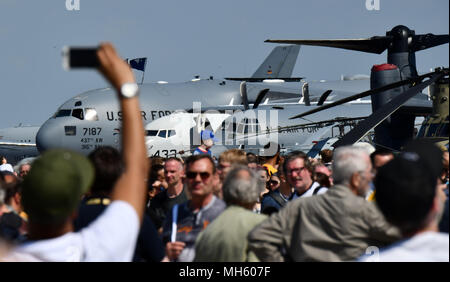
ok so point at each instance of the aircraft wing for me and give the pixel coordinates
(262, 79)
(275, 95)
(16, 144)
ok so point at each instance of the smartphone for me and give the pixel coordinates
(80, 57)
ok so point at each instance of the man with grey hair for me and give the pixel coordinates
(225, 239)
(339, 225)
(24, 169)
(353, 168)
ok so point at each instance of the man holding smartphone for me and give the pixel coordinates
(52, 189)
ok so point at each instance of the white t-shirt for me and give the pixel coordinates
(6, 167)
(424, 247)
(111, 237)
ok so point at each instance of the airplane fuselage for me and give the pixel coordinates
(92, 118)
(252, 129)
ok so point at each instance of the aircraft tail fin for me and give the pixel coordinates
(279, 63)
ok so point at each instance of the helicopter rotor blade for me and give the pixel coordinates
(425, 41)
(364, 94)
(376, 44)
(384, 112)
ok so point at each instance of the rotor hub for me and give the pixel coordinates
(401, 37)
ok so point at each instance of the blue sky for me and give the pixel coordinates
(186, 38)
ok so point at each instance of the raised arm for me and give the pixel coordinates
(131, 185)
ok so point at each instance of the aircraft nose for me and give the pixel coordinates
(49, 136)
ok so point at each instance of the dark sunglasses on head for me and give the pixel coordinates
(191, 175)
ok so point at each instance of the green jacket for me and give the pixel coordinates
(225, 239)
(335, 226)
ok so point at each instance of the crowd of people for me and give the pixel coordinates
(123, 206)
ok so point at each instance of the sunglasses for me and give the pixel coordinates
(203, 175)
(273, 182)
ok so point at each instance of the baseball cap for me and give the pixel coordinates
(208, 134)
(429, 154)
(419, 160)
(54, 186)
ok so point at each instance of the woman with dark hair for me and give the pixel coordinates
(156, 182)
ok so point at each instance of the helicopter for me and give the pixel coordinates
(395, 109)
(435, 126)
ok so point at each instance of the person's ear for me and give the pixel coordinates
(355, 180)
(439, 199)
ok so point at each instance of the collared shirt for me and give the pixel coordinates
(190, 224)
(314, 189)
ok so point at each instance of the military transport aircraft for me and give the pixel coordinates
(93, 118)
(17, 143)
(178, 134)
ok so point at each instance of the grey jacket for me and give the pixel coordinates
(335, 226)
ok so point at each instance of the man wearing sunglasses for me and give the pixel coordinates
(185, 221)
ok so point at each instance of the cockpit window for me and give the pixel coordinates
(91, 114)
(162, 133)
(171, 133)
(78, 113)
(62, 113)
(152, 132)
(229, 130)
